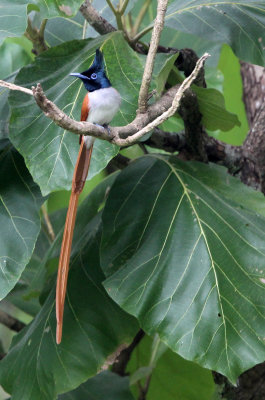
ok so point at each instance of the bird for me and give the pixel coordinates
(100, 105)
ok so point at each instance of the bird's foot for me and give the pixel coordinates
(105, 126)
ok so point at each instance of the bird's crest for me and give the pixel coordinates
(98, 62)
(94, 77)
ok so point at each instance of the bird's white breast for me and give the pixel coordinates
(103, 105)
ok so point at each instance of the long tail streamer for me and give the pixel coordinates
(78, 182)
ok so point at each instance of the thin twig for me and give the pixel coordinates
(144, 389)
(139, 35)
(11, 322)
(100, 24)
(123, 7)
(48, 222)
(42, 27)
(84, 29)
(119, 367)
(150, 60)
(36, 36)
(112, 7)
(11, 86)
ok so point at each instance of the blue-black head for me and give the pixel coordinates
(95, 77)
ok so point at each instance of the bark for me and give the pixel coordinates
(250, 385)
(253, 160)
(253, 77)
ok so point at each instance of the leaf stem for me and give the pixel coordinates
(123, 7)
(140, 17)
(48, 222)
(84, 29)
(142, 33)
(112, 7)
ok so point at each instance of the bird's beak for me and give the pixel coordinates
(79, 75)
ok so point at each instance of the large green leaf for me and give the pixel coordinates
(19, 218)
(239, 24)
(94, 329)
(104, 386)
(13, 17)
(188, 262)
(25, 294)
(172, 376)
(50, 152)
(60, 30)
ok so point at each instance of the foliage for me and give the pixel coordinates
(175, 248)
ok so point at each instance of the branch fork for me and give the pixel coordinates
(143, 123)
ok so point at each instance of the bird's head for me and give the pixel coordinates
(94, 77)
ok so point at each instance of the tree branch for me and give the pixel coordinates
(11, 322)
(223, 153)
(48, 222)
(150, 60)
(168, 141)
(100, 24)
(170, 111)
(157, 113)
(36, 36)
(11, 86)
(119, 367)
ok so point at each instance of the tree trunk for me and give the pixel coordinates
(251, 384)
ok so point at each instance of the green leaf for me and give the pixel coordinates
(105, 386)
(4, 107)
(12, 57)
(173, 377)
(10, 12)
(239, 24)
(180, 40)
(25, 294)
(55, 8)
(217, 178)
(14, 53)
(19, 218)
(212, 107)
(233, 94)
(188, 262)
(162, 68)
(60, 30)
(94, 331)
(50, 152)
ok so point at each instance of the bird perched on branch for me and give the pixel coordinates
(100, 105)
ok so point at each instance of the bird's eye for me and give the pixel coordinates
(94, 76)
